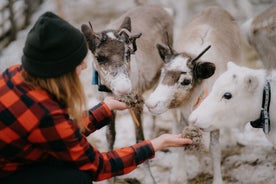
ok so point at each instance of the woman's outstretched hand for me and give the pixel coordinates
(158, 143)
(169, 140)
(114, 104)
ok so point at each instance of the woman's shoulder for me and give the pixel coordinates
(12, 70)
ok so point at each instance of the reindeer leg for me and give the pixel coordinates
(110, 138)
(154, 128)
(179, 166)
(216, 156)
(137, 118)
(111, 132)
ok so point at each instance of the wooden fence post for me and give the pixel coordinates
(15, 16)
(12, 21)
(28, 12)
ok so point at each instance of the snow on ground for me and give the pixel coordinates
(251, 161)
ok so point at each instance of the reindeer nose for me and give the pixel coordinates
(123, 90)
(192, 121)
(150, 104)
(121, 87)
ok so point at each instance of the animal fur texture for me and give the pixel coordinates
(236, 99)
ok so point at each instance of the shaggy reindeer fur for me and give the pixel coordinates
(126, 57)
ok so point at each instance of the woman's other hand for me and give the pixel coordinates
(114, 104)
(169, 140)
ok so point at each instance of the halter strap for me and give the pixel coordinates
(264, 119)
(96, 81)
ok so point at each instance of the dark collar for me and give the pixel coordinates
(96, 81)
(264, 120)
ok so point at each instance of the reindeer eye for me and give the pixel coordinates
(101, 59)
(227, 95)
(186, 82)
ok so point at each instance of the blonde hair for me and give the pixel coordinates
(67, 89)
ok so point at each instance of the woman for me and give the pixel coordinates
(43, 126)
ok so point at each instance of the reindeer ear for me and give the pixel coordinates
(90, 36)
(124, 28)
(251, 82)
(231, 65)
(126, 24)
(164, 52)
(204, 70)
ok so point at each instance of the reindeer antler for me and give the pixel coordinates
(133, 41)
(130, 38)
(124, 30)
(203, 52)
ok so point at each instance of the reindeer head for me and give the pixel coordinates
(112, 50)
(180, 74)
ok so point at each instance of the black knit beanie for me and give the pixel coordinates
(53, 47)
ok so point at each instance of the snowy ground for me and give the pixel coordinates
(251, 161)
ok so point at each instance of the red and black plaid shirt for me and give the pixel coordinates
(35, 128)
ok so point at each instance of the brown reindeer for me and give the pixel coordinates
(126, 57)
(187, 74)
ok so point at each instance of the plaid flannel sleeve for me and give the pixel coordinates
(124, 160)
(63, 140)
(98, 116)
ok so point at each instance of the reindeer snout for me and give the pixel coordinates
(192, 120)
(121, 87)
(155, 108)
(150, 104)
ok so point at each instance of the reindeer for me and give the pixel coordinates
(252, 88)
(126, 58)
(186, 76)
(260, 32)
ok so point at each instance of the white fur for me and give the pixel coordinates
(111, 35)
(179, 63)
(121, 84)
(159, 100)
(245, 105)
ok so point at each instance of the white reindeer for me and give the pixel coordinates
(240, 95)
(184, 80)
